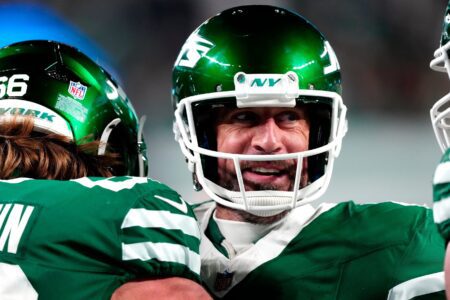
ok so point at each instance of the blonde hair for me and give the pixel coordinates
(26, 153)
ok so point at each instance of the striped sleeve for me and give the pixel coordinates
(160, 235)
(441, 196)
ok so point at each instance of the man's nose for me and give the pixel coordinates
(267, 138)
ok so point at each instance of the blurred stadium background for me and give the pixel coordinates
(384, 48)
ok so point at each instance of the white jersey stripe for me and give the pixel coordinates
(419, 286)
(15, 284)
(110, 184)
(442, 173)
(164, 252)
(142, 217)
(15, 180)
(441, 210)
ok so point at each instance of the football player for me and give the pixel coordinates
(260, 119)
(440, 117)
(64, 235)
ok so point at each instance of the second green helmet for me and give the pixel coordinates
(69, 94)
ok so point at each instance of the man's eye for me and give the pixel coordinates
(289, 116)
(245, 117)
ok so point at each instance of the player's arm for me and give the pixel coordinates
(160, 241)
(419, 270)
(166, 288)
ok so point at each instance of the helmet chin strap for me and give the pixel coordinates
(196, 184)
(105, 136)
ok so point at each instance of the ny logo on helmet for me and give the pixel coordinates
(270, 82)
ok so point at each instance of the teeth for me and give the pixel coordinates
(265, 171)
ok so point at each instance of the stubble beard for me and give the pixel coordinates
(228, 179)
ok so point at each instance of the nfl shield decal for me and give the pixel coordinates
(77, 90)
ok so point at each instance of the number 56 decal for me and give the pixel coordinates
(14, 86)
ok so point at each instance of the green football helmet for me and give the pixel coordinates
(67, 93)
(440, 112)
(258, 56)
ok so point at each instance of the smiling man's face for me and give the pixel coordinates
(262, 131)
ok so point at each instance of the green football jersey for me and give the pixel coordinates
(336, 251)
(83, 238)
(441, 195)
